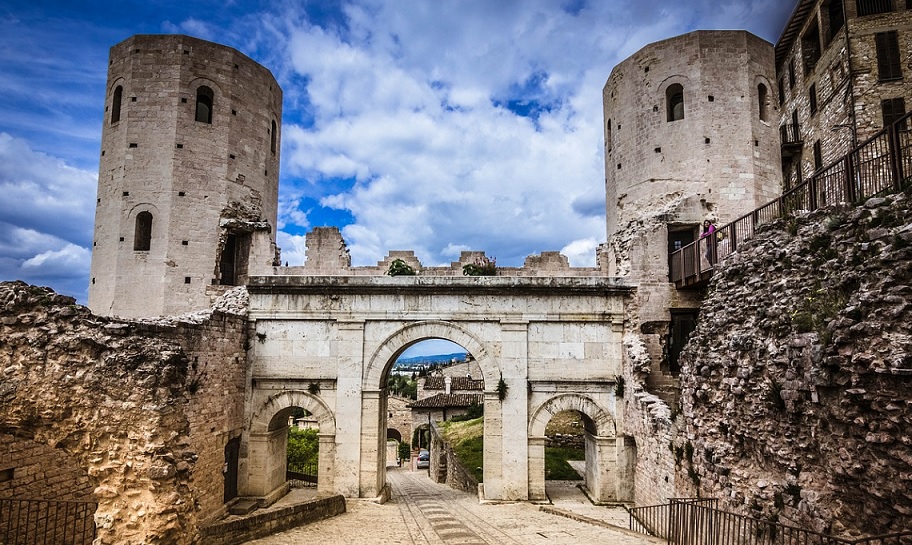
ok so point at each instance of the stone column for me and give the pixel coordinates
(626, 468)
(515, 412)
(267, 461)
(350, 359)
(326, 463)
(601, 467)
(537, 468)
(373, 443)
(493, 445)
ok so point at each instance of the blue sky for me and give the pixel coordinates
(436, 126)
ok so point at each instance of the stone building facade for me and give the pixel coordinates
(842, 75)
(188, 176)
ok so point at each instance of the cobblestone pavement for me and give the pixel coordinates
(421, 512)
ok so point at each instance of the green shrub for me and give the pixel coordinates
(400, 268)
(482, 266)
(303, 448)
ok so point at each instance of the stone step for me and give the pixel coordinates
(243, 507)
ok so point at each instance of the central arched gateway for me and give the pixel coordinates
(327, 343)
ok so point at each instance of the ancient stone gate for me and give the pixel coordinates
(327, 343)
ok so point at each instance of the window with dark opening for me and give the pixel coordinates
(893, 109)
(873, 7)
(818, 156)
(889, 65)
(683, 323)
(678, 237)
(142, 233)
(273, 137)
(608, 135)
(781, 91)
(674, 99)
(763, 102)
(835, 19)
(791, 73)
(233, 261)
(204, 101)
(812, 98)
(115, 104)
(810, 48)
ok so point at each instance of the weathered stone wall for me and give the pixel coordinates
(41, 472)
(142, 408)
(797, 384)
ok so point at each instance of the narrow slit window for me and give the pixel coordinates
(273, 137)
(204, 103)
(115, 104)
(763, 100)
(142, 234)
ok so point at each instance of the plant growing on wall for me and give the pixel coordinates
(619, 386)
(501, 388)
(400, 268)
(482, 266)
(314, 388)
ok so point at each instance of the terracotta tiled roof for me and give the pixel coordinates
(447, 400)
(459, 383)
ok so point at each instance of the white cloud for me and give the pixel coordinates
(294, 248)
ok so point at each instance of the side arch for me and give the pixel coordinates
(393, 345)
(605, 425)
(265, 460)
(275, 404)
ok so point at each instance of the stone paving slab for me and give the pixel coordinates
(421, 512)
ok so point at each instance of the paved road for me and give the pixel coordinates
(421, 512)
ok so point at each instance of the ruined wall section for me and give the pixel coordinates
(142, 409)
(796, 384)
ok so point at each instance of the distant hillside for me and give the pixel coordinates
(430, 360)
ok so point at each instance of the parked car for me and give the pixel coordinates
(424, 459)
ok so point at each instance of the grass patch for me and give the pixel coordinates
(467, 439)
(556, 466)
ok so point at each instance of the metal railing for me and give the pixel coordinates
(303, 476)
(689, 521)
(790, 133)
(881, 164)
(46, 522)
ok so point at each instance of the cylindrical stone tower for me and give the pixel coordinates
(691, 130)
(188, 177)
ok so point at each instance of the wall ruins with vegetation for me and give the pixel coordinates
(797, 383)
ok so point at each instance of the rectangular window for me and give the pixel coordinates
(812, 96)
(873, 7)
(791, 73)
(889, 65)
(782, 88)
(810, 48)
(835, 19)
(893, 110)
(818, 156)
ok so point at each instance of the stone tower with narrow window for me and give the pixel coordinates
(691, 133)
(188, 176)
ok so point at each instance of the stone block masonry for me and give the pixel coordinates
(264, 524)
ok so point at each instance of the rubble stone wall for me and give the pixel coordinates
(140, 408)
(797, 383)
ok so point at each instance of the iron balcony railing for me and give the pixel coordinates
(790, 133)
(880, 164)
(46, 522)
(692, 521)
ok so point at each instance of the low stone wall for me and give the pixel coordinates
(445, 466)
(268, 523)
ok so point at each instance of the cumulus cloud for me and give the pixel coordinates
(46, 217)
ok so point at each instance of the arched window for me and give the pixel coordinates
(763, 99)
(142, 234)
(674, 99)
(204, 100)
(272, 144)
(115, 104)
